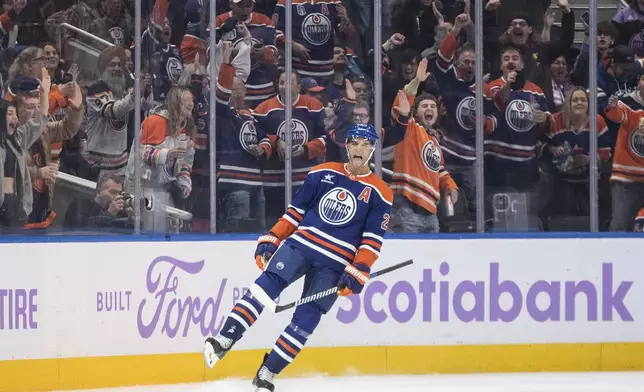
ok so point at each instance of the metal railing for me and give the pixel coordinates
(59, 35)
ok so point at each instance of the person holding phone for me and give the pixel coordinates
(510, 148)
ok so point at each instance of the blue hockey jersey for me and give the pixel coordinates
(513, 141)
(314, 23)
(166, 64)
(259, 85)
(337, 218)
(237, 131)
(308, 131)
(459, 139)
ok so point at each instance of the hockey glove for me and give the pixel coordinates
(353, 279)
(266, 246)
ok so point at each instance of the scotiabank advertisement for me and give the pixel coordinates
(98, 299)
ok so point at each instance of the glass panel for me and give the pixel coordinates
(430, 139)
(52, 187)
(537, 148)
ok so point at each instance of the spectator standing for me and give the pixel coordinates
(16, 199)
(167, 154)
(109, 101)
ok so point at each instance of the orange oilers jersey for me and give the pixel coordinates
(419, 174)
(628, 161)
(337, 218)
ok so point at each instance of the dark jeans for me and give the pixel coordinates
(628, 198)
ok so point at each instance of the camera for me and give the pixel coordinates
(128, 201)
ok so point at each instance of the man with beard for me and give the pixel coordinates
(454, 70)
(109, 101)
(510, 148)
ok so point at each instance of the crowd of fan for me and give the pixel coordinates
(537, 140)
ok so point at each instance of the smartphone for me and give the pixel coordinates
(585, 18)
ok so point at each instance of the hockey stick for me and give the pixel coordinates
(332, 290)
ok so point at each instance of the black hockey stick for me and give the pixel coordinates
(332, 290)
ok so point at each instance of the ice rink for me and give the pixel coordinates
(534, 382)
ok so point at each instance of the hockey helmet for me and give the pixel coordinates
(365, 131)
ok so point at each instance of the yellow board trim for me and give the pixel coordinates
(114, 371)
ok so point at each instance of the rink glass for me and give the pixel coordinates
(484, 207)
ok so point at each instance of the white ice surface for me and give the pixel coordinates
(534, 382)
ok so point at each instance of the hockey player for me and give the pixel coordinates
(331, 234)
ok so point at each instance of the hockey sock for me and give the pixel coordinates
(248, 309)
(292, 340)
(244, 314)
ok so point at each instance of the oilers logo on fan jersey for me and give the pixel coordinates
(431, 155)
(636, 142)
(518, 115)
(336, 214)
(337, 207)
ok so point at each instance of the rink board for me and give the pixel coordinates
(90, 315)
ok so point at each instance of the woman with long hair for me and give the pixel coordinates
(567, 154)
(167, 154)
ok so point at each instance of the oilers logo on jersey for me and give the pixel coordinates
(317, 29)
(248, 134)
(431, 156)
(636, 142)
(117, 35)
(518, 115)
(300, 133)
(466, 113)
(174, 69)
(337, 207)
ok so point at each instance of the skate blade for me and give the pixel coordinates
(209, 355)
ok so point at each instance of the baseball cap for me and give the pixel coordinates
(623, 55)
(311, 84)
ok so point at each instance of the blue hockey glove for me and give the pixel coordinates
(266, 246)
(353, 279)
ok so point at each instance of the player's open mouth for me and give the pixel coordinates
(429, 117)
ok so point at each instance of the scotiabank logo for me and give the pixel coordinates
(492, 300)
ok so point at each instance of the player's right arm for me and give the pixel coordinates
(288, 223)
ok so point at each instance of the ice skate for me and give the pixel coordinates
(215, 349)
(263, 381)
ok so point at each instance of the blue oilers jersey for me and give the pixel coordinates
(314, 24)
(459, 97)
(337, 218)
(514, 139)
(165, 63)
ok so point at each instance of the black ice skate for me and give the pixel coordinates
(215, 349)
(263, 381)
